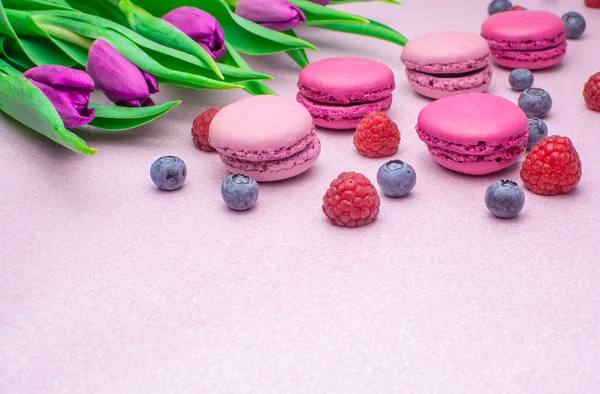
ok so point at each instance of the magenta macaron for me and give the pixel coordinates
(339, 92)
(445, 63)
(474, 133)
(526, 39)
(268, 138)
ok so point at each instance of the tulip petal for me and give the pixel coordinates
(72, 117)
(61, 77)
(122, 81)
(277, 15)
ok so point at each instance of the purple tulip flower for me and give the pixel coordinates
(200, 26)
(122, 81)
(277, 15)
(69, 91)
(321, 2)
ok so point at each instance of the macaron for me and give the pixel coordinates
(445, 63)
(526, 39)
(474, 133)
(339, 92)
(268, 138)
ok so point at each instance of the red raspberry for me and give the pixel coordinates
(591, 92)
(517, 8)
(592, 3)
(377, 136)
(351, 200)
(552, 167)
(200, 129)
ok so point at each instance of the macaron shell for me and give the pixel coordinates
(340, 117)
(445, 48)
(523, 30)
(532, 60)
(260, 127)
(476, 168)
(276, 170)
(472, 118)
(438, 87)
(346, 80)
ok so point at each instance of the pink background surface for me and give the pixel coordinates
(108, 285)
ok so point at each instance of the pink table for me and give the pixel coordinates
(109, 286)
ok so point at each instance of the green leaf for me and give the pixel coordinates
(247, 37)
(27, 104)
(135, 55)
(253, 87)
(113, 118)
(297, 55)
(373, 29)
(29, 5)
(161, 31)
(14, 54)
(168, 57)
(336, 2)
(316, 13)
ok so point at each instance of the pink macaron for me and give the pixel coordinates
(445, 63)
(339, 92)
(526, 39)
(268, 138)
(474, 133)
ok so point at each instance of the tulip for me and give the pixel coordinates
(321, 2)
(69, 91)
(122, 81)
(277, 15)
(200, 26)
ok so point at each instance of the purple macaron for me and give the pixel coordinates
(339, 92)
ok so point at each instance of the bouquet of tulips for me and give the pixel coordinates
(55, 53)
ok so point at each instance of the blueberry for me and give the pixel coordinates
(575, 23)
(396, 178)
(239, 192)
(520, 79)
(535, 102)
(537, 131)
(168, 172)
(504, 199)
(499, 6)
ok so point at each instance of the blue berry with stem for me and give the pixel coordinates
(396, 178)
(168, 173)
(535, 102)
(504, 199)
(240, 192)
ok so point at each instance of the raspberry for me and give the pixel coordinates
(592, 3)
(552, 167)
(591, 92)
(517, 8)
(200, 129)
(377, 136)
(351, 200)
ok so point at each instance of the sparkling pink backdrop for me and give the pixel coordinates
(108, 285)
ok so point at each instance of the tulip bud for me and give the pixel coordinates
(277, 15)
(122, 81)
(321, 2)
(200, 26)
(68, 90)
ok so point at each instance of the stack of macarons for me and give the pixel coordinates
(339, 92)
(445, 63)
(268, 138)
(526, 39)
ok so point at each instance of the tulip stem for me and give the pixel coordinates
(67, 35)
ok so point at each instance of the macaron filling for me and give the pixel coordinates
(457, 68)
(480, 152)
(324, 112)
(451, 82)
(350, 98)
(284, 163)
(541, 55)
